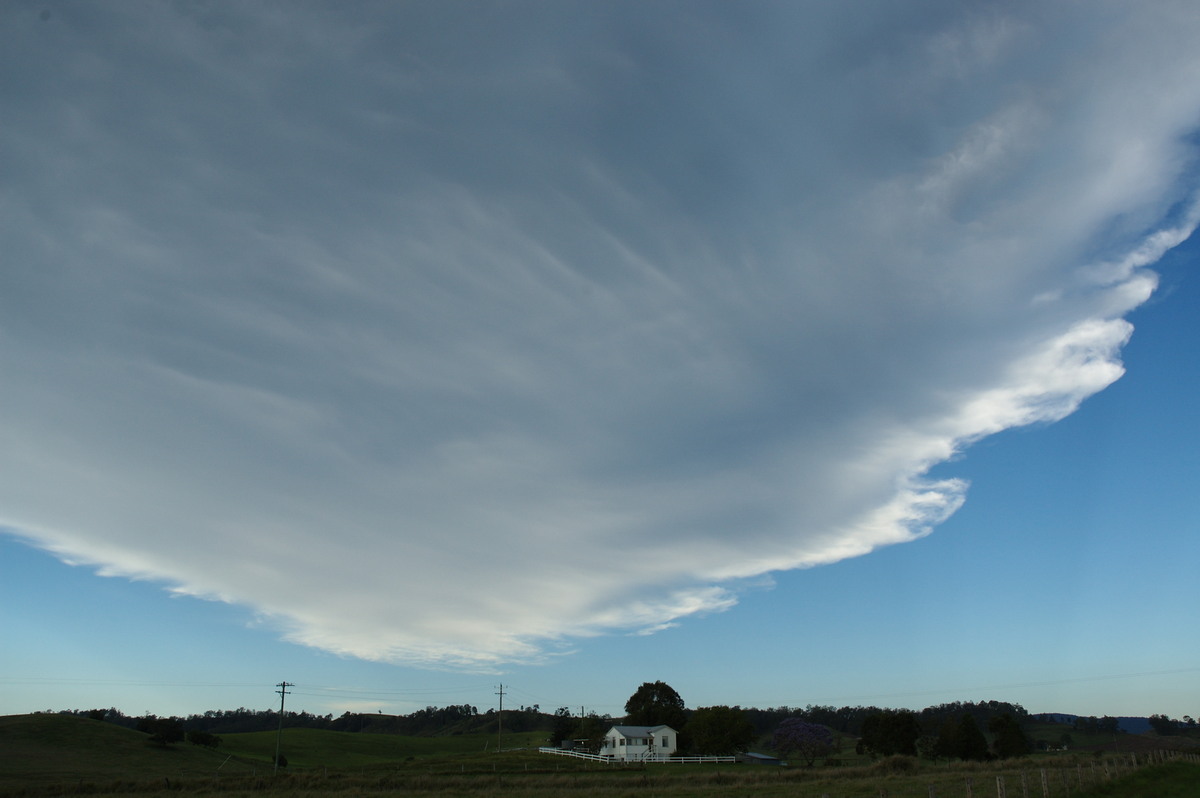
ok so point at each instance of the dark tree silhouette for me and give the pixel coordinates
(163, 731)
(890, 732)
(719, 731)
(1009, 740)
(970, 742)
(656, 703)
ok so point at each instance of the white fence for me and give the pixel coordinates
(681, 760)
(575, 754)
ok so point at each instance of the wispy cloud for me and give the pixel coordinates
(444, 334)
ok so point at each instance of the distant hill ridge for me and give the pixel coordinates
(1126, 724)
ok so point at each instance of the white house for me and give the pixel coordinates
(639, 743)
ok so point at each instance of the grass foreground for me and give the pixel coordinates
(43, 755)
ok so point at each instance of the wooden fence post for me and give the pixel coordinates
(1000, 792)
(970, 788)
(1045, 785)
(1024, 785)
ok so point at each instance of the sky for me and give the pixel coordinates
(789, 353)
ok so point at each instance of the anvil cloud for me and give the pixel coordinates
(448, 333)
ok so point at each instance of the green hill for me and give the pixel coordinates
(44, 749)
(43, 755)
(70, 750)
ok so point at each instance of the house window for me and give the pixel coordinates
(666, 743)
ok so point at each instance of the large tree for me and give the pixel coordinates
(719, 731)
(969, 740)
(162, 731)
(1164, 725)
(656, 703)
(564, 725)
(808, 741)
(890, 732)
(1009, 740)
(946, 744)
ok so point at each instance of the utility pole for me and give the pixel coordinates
(283, 686)
(500, 721)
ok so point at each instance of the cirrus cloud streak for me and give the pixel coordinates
(448, 338)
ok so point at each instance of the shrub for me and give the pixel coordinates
(897, 765)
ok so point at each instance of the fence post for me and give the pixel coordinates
(1045, 785)
(1024, 785)
(932, 791)
(1000, 792)
(970, 788)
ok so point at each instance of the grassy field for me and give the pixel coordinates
(63, 755)
(1172, 780)
(306, 749)
(52, 749)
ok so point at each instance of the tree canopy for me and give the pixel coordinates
(890, 732)
(719, 731)
(656, 703)
(1009, 740)
(969, 742)
(808, 741)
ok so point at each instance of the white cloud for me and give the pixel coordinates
(447, 340)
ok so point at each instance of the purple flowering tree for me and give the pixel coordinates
(805, 740)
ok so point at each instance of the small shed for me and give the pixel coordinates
(752, 758)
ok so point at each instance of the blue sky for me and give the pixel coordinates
(789, 354)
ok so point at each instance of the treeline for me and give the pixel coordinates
(944, 731)
(940, 730)
(467, 719)
(430, 721)
(1170, 726)
(849, 720)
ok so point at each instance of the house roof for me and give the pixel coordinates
(639, 731)
(760, 757)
